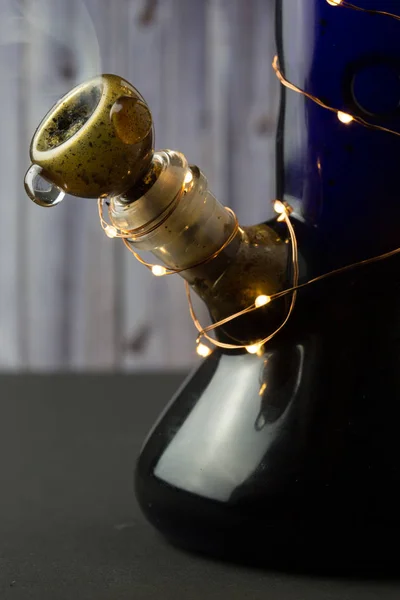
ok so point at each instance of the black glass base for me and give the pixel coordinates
(292, 457)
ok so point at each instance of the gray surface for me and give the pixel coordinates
(69, 525)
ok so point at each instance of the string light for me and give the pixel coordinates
(257, 347)
(370, 11)
(203, 350)
(316, 100)
(262, 301)
(203, 332)
(281, 208)
(158, 270)
(344, 117)
(128, 236)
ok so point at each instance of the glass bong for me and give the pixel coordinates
(287, 455)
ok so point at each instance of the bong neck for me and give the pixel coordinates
(180, 222)
(177, 218)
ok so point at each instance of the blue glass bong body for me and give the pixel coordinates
(290, 456)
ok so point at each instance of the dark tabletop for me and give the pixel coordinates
(70, 528)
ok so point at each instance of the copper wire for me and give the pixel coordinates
(203, 331)
(316, 100)
(355, 265)
(171, 271)
(155, 222)
(134, 235)
(370, 11)
(129, 235)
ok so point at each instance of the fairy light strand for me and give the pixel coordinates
(170, 271)
(262, 300)
(370, 11)
(148, 227)
(203, 331)
(316, 100)
(281, 208)
(128, 236)
(284, 211)
(342, 116)
(361, 263)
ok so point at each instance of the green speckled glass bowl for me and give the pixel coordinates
(97, 140)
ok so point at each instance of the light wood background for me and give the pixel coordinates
(70, 298)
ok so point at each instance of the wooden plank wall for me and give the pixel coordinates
(69, 297)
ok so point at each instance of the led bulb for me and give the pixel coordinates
(334, 2)
(262, 301)
(344, 117)
(188, 177)
(158, 270)
(254, 348)
(188, 181)
(279, 207)
(262, 389)
(203, 350)
(110, 231)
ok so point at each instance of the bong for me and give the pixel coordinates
(288, 454)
